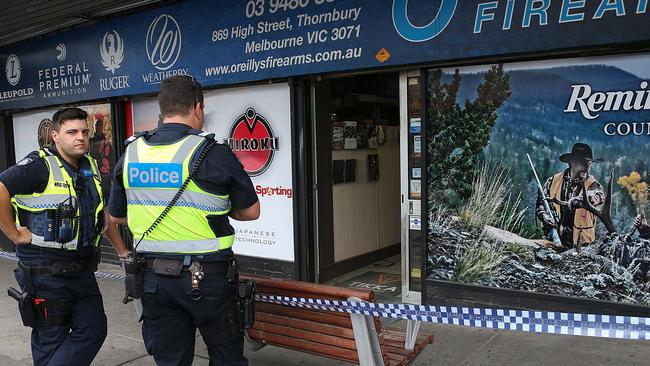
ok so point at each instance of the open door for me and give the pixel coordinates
(411, 157)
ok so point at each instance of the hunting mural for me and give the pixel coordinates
(537, 177)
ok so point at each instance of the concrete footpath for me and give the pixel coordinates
(453, 345)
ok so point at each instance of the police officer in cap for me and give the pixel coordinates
(186, 244)
(51, 207)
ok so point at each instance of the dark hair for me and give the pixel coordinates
(67, 114)
(178, 95)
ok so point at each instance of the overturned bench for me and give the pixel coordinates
(347, 337)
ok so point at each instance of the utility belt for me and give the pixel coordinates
(135, 266)
(36, 311)
(67, 269)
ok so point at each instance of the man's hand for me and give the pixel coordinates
(23, 236)
(547, 220)
(640, 221)
(123, 254)
(575, 203)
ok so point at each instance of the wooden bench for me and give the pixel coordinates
(353, 338)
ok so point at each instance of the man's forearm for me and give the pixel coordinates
(113, 234)
(7, 223)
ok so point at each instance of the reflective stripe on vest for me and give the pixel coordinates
(59, 189)
(185, 229)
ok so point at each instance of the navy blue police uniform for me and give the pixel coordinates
(76, 326)
(170, 315)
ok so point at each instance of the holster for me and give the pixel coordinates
(95, 259)
(25, 306)
(134, 276)
(36, 311)
(246, 300)
(232, 276)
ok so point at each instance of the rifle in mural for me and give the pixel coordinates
(551, 212)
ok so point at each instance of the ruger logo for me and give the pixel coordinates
(253, 142)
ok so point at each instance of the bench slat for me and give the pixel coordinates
(324, 333)
(307, 346)
(305, 325)
(305, 314)
(288, 332)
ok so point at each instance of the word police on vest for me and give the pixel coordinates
(155, 175)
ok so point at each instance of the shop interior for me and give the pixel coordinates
(358, 175)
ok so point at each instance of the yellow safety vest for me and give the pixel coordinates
(152, 175)
(59, 189)
(584, 222)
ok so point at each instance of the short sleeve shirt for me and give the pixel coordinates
(30, 175)
(220, 173)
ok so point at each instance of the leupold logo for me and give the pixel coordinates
(163, 42)
(413, 33)
(44, 136)
(13, 69)
(253, 142)
(112, 51)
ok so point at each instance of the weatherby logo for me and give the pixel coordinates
(253, 142)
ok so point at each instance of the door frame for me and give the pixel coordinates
(408, 296)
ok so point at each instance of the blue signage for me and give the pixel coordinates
(155, 175)
(224, 42)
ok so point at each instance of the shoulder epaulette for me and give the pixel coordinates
(207, 135)
(134, 137)
(45, 152)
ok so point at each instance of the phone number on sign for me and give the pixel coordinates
(256, 8)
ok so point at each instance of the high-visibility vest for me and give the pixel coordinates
(152, 176)
(584, 222)
(60, 189)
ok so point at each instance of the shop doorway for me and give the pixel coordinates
(360, 170)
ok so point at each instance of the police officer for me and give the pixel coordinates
(51, 207)
(193, 237)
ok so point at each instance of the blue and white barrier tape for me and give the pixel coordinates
(592, 325)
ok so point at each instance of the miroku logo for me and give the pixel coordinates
(253, 142)
(414, 33)
(155, 175)
(112, 51)
(163, 42)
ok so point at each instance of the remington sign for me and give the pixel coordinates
(591, 104)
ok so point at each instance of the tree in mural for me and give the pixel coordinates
(456, 136)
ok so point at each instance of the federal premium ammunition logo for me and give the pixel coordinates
(61, 52)
(253, 142)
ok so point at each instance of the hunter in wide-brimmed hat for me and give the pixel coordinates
(579, 152)
(577, 226)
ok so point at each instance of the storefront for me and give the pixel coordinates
(361, 142)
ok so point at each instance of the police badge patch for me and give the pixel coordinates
(24, 161)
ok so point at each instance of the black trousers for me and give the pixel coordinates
(170, 318)
(76, 343)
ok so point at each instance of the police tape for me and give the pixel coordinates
(591, 325)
